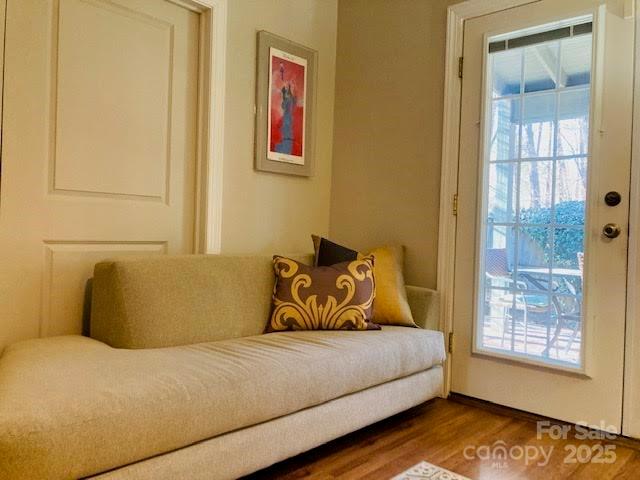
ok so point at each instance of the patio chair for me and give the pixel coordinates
(568, 311)
(497, 269)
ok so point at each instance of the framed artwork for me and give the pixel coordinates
(285, 104)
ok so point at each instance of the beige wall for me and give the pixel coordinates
(263, 212)
(388, 128)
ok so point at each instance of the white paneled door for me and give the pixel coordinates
(539, 308)
(98, 149)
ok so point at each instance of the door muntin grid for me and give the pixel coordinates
(535, 172)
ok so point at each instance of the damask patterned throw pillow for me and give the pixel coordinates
(336, 297)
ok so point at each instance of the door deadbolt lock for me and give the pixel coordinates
(611, 230)
(612, 199)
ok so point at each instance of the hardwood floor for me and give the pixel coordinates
(442, 431)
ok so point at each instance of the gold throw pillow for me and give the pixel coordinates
(391, 306)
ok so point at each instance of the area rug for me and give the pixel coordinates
(427, 471)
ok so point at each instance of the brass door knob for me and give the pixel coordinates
(611, 230)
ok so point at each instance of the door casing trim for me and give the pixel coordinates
(631, 385)
(211, 95)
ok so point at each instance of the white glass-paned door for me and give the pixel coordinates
(535, 165)
(539, 291)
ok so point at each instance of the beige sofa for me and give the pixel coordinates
(179, 382)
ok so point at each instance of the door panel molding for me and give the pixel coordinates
(73, 166)
(67, 265)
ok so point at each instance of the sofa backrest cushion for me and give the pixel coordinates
(178, 300)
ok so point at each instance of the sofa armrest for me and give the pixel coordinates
(425, 307)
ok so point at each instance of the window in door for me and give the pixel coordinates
(535, 166)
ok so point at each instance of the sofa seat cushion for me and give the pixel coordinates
(72, 406)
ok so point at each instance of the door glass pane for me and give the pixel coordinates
(568, 247)
(534, 249)
(576, 61)
(505, 129)
(538, 125)
(502, 199)
(499, 259)
(573, 122)
(507, 72)
(541, 66)
(571, 191)
(535, 191)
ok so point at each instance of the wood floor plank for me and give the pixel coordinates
(452, 434)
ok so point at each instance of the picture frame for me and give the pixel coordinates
(285, 106)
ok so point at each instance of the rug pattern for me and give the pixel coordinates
(428, 471)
